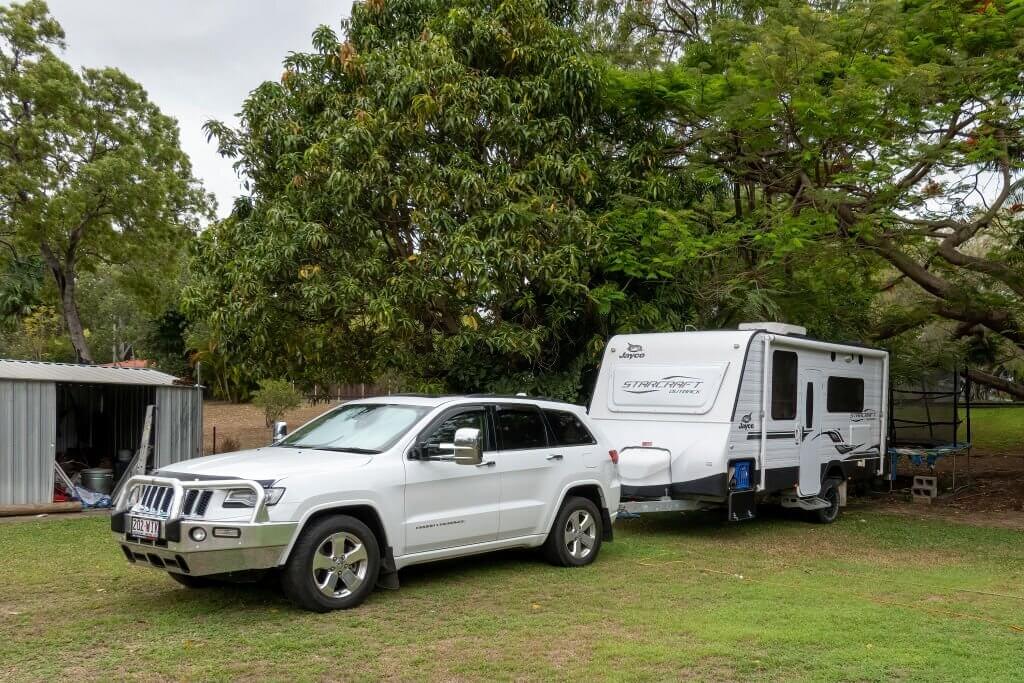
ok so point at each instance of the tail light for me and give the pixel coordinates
(614, 455)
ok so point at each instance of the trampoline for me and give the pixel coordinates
(929, 420)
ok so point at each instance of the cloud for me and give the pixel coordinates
(197, 59)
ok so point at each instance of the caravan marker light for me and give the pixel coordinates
(614, 455)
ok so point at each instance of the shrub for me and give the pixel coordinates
(276, 397)
(229, 445)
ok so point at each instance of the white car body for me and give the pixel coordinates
(423, 510)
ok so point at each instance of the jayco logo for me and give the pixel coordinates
(633, 351)
(746, 422)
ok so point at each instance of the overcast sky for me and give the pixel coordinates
(197, 59)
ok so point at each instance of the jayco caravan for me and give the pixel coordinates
(737, 417)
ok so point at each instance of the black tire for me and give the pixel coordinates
(302, 583)
(189, 581)
(557, 547)
(830, 492)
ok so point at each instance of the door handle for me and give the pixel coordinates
(489, 463)
(556, 456)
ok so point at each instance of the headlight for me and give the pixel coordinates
(246, 498)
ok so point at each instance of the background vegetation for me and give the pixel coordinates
(473, 195)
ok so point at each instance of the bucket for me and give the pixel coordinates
(98, 479)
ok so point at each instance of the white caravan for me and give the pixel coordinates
(734, 418)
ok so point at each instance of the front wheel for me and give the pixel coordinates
(575, 537)
(334, 565)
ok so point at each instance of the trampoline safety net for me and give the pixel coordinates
(931, 412)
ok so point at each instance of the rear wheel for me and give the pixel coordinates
(575, 537)
(334, 565)
(830, 493)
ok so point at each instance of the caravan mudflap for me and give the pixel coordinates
(742, 505)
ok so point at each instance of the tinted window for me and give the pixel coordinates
(845, 395)
(519, 428)
(783, 385)
(439, 440)
(568, 429)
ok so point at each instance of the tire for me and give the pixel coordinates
(189, 581)
(830, 492)
(334, 565)
(575, 536)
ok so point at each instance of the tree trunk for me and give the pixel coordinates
(65, 279)
(74, 322)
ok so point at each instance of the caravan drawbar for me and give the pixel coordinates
(734, 418)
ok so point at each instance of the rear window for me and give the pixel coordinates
(520, 428)
(845, 395)
(568, 429)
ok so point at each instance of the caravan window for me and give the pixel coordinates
(783, 385)
(845, 395)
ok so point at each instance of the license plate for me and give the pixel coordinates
(145, 528)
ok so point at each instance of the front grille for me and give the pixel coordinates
(155, 500)
(204, 502)
(190, 501)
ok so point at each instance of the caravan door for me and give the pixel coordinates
(809, 427)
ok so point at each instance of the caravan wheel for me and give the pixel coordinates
(830, 492)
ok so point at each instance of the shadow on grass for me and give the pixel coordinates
(265, 593)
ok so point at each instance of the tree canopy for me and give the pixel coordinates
(426, 200)
(91, 171)
(892, 129)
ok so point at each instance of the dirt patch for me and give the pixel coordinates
(989, 490)
(245, 425)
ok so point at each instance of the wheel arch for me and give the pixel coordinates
(592, 491)
(833, 470)
(365, 513)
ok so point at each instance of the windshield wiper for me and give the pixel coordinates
(351, 449)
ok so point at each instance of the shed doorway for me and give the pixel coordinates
(100, 425)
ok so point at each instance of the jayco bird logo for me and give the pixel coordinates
(633, 351)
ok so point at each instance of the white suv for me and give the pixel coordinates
(376, 485)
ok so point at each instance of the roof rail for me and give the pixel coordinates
(520, 396)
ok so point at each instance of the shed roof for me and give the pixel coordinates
(35, 371)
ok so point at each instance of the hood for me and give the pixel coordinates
(266, 465)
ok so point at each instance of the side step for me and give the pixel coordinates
(808, 503)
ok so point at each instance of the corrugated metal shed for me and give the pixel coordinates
(82, 374)
(179, 426)
(28, 428)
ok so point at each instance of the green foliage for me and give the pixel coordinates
(850, 131)
(276, 397)
(434, 196)
(90, 170)
(38, 335)
(21, 284)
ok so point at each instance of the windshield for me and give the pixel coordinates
(360, 428)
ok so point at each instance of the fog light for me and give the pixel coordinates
(198, 534)
(227, 532)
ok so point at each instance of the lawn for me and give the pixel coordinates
(998, 430)
(872, 597)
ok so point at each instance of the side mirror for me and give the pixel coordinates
(468, 449)
(280, 431)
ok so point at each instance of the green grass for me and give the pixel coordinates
(870, 598)
(998, 430)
